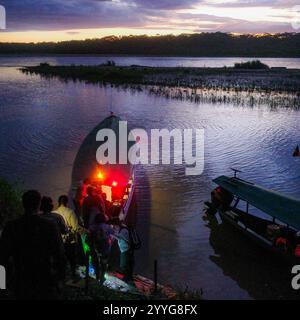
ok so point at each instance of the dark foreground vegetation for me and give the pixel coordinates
(10, 202)
(11, 208)
(199, 45)
(251, 65)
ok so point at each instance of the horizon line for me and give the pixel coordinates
(235, 34)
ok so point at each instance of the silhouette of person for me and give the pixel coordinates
(35, 248)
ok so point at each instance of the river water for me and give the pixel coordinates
(43, 123)
(145, 61)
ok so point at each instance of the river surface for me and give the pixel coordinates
(145, 61)
(43, 123)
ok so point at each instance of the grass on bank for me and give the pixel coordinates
(97, 292)
(10, 202)
(243, 76)
(135, 74)
(251, 65)
(249, 83)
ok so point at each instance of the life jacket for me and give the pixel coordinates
(281, 242)
(135, 242)
(297, 251)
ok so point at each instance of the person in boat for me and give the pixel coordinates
(46, 209)
(126, 251)
(93, 204)
(220, 199)
(107, 203)
(287, 240)
(74, 229)
(80, 195)
(114, 213)
(35, 248)
(100, 240)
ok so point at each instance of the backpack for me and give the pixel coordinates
(135, 242)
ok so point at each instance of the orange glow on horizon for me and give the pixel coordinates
(82, 34)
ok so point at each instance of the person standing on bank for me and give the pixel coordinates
(71, 239)
(122, 234)
(35, 246)
(46, 209)
(100, 239)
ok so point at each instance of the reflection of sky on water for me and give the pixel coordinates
(43, 123)
(14, 61)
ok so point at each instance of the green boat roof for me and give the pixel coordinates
(282, 207)
(85, 164)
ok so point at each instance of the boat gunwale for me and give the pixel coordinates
(290, 200)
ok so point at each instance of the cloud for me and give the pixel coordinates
(58, 15)
(251, 3)
(71, 15)
(259, 27)
(211, 23)
(72, 32)
(166, 4)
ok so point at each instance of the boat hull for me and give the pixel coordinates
(86, 166)
(256, 236)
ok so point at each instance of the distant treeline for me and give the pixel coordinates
(203, 44)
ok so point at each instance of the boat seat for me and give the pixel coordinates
(232, 214)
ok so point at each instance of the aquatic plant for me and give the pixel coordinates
(10, 202)
(255, 64)
(274, 88)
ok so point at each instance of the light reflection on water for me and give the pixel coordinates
(43, 123)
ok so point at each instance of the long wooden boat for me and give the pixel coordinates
(116, 181)
(267, 217)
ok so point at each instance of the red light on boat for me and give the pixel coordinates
(114, 183)
(218, 190)
(297, 251)
(100, 175)
(281, 242)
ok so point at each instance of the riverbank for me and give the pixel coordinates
(82, 289)
(277, 79)
(272, 87)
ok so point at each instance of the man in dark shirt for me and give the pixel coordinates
(47, 213)
(33, 247)
(92, 201)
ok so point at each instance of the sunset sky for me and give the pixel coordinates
(56, 20)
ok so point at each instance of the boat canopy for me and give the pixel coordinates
(86, 165)
(284, 208)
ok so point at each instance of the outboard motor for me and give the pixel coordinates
(221, 198)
